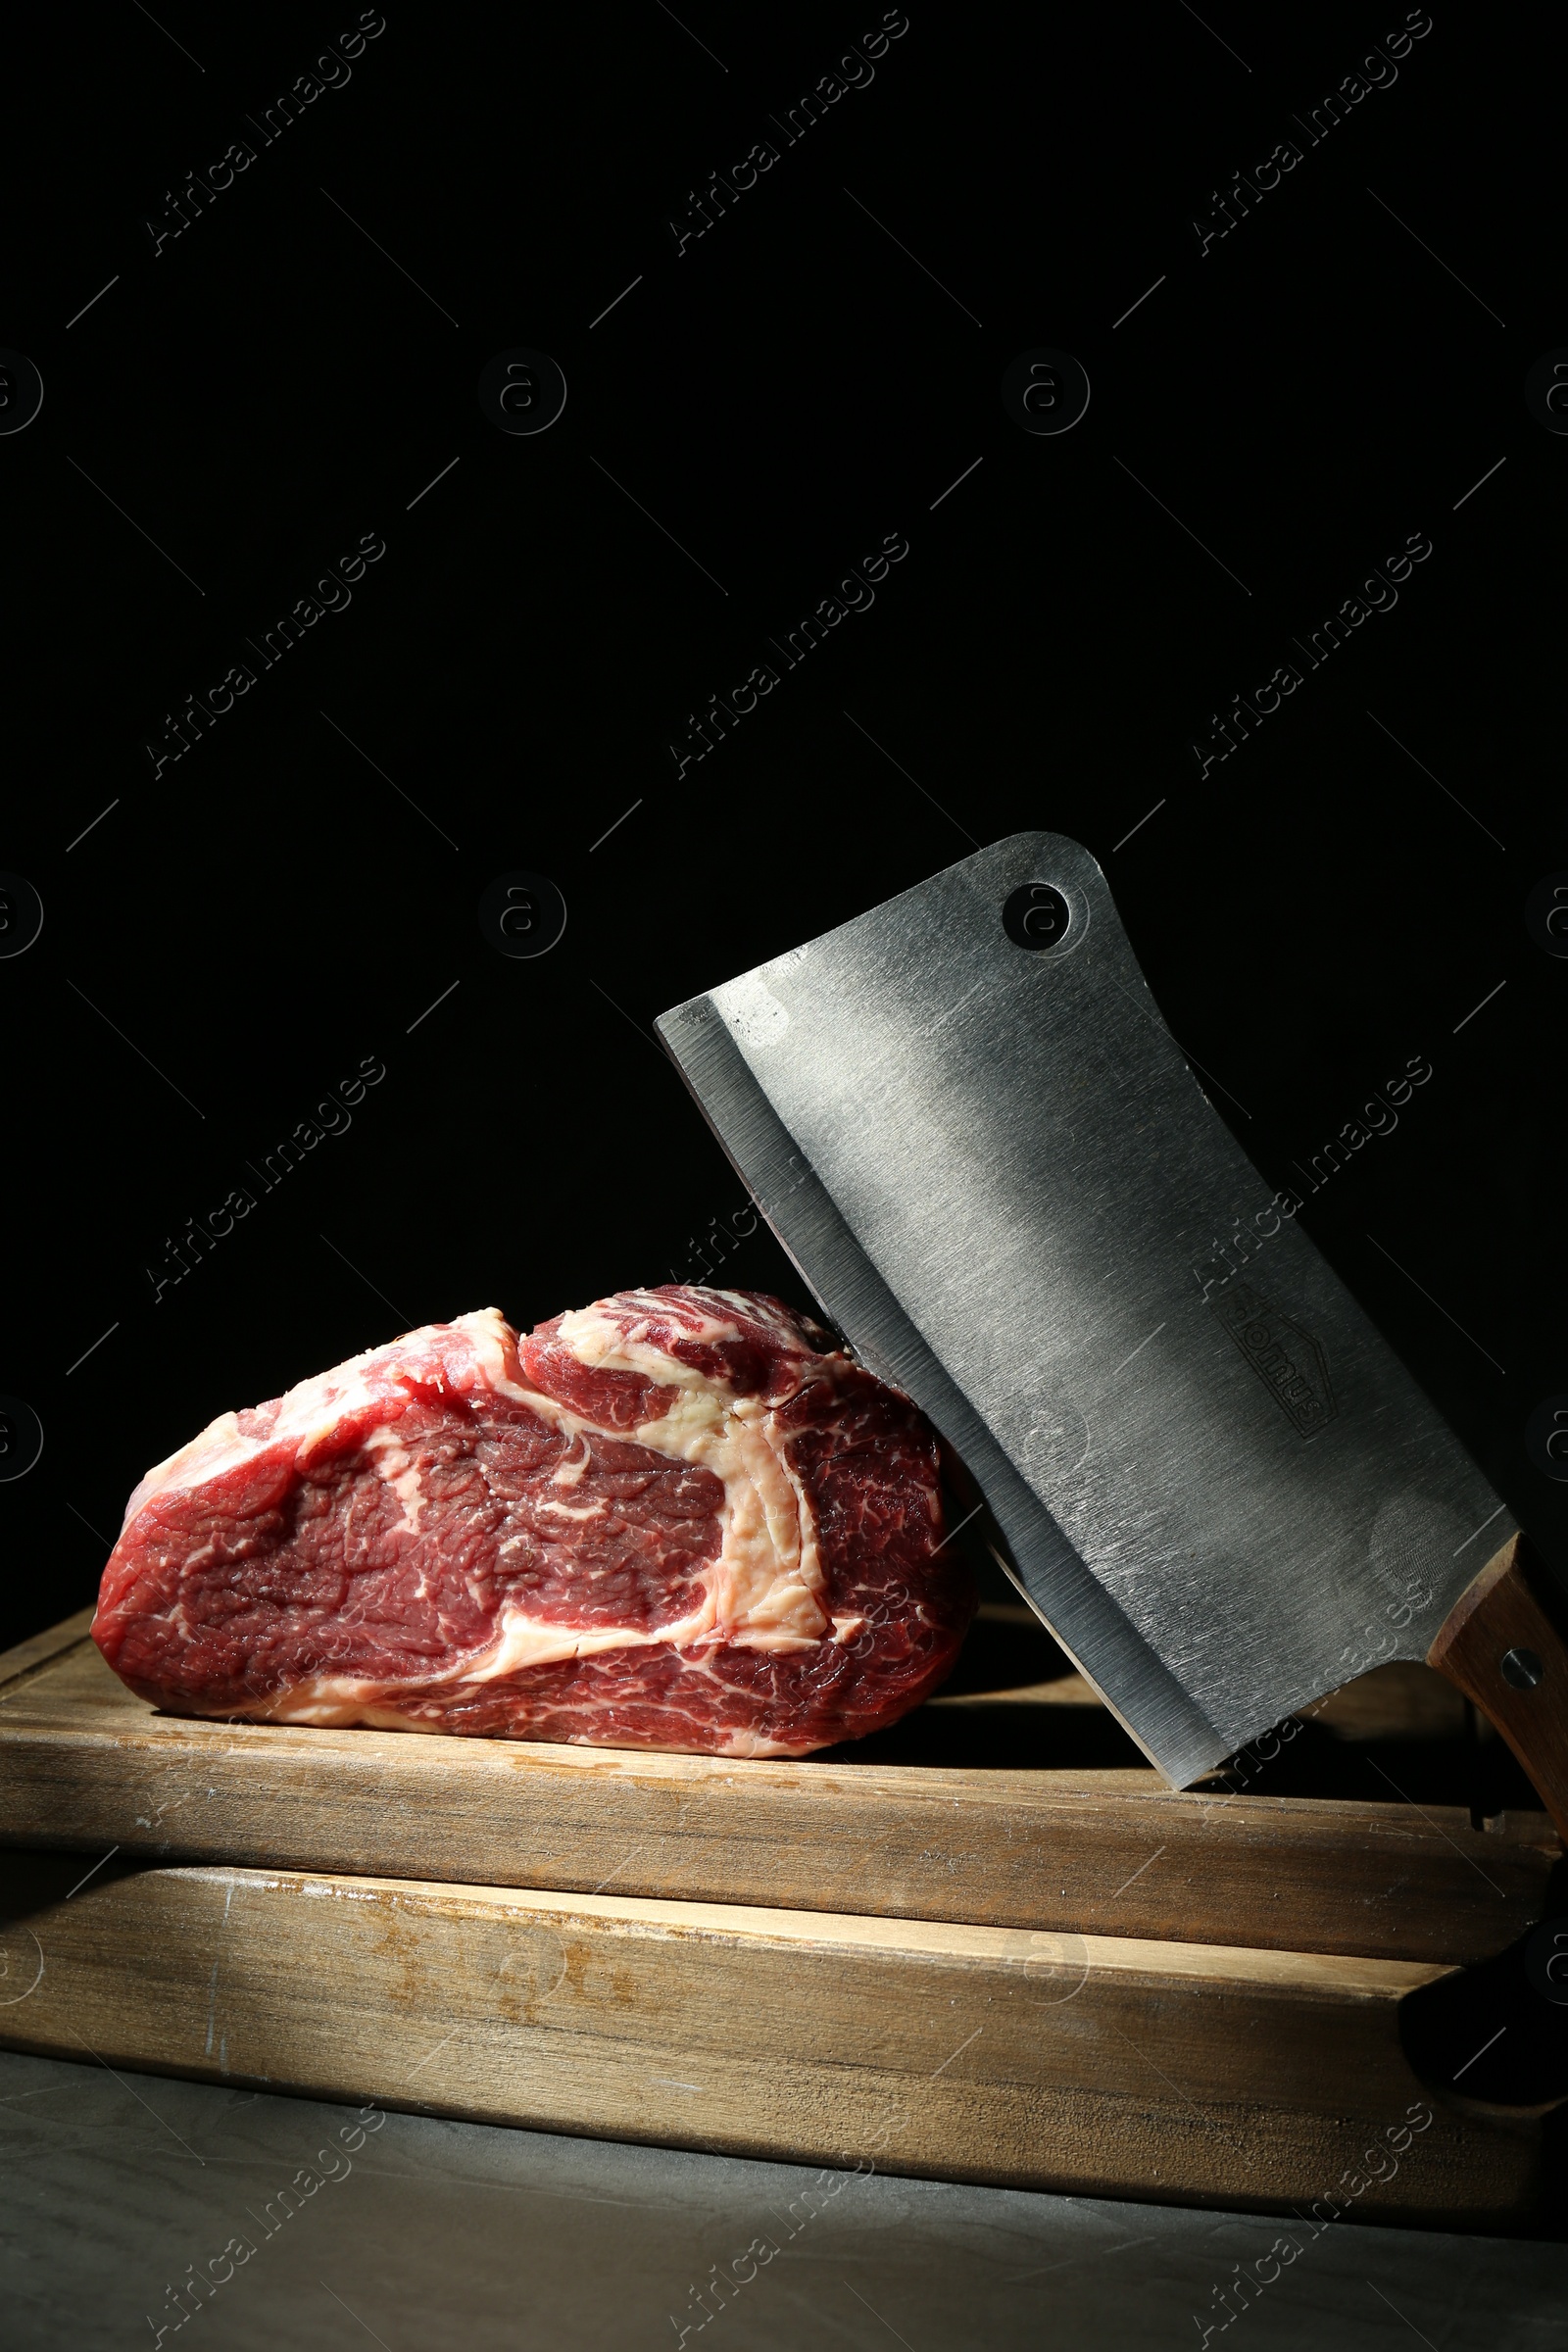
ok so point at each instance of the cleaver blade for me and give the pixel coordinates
(965, 1118)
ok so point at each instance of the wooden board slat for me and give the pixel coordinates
(1111, 2065)
(17, 1666)
(85, 1765)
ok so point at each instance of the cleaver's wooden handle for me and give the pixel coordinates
(1504, 1650)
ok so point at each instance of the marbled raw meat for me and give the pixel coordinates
(675, 1519)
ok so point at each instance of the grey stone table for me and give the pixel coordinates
(325, 2228)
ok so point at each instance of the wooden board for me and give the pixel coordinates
(1062, 1847)
(1108, 2065)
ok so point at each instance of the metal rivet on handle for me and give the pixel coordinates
(1036, 916)
(1522, 1668)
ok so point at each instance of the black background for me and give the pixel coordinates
(238, 931)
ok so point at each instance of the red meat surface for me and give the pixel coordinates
(675, 1519)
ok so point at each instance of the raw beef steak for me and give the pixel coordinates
(671, 1519)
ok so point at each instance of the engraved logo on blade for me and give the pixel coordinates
(1286, 1359)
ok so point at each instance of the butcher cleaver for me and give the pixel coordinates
(966, 1121)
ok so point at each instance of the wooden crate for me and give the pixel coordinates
(1066, 1976)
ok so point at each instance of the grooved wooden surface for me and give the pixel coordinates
(86, 1766)
(1108, 2065)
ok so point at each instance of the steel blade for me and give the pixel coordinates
(993, 1167)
